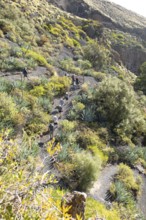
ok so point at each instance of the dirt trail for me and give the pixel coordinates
(102, 185)
(67, 104)
(142, 197)
(141, 203)
(36, 73)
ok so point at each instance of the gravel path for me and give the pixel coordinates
(102, 185)
(142, 198)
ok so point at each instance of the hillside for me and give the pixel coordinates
(72, 111)
(118, 20)
(110, 14)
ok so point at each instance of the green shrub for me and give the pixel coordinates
(141, 79)
(6, 26)
(86, 168)
(38, 122)
(69, 66)
(133, 156)
(87, 137)
(99, 153)
(38, 91)
(68, 126)
(126, 176)
(5, 86)
(118, 107)
(58, 85)
(38, 58)
(45, 103)
(95, 208)
(121, 195)
(9, 115)
(125, 188)
(97, 54)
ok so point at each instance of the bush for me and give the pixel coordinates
(69, 66)
(126, 176)
(97, 54)
(58, 85)
(46, 104)
(76, 111)
(133, 156)
(86, 170)
(68, 126)
(141, 79)
(101, 154)
(9, 115)
(126, 187)
(6, 26)
(121, 195)
(87, 137)
(81, 170)
(118, 107)
(95, 208)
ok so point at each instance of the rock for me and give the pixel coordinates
(76, 202)
(140, 169)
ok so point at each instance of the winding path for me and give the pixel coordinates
(102, 185)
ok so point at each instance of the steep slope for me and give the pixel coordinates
(37, 33)
(107, 12)
(122, 24)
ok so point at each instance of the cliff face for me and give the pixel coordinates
(107, 12)
(131, 57)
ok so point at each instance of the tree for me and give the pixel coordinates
(118, 107)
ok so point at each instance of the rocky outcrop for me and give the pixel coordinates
(76, 203)
(131, 57)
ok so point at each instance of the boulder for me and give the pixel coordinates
(76, 202)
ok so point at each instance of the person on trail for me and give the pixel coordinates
(66, 74)
(73, 79)
(66, 96)
(55, 118)
(77, 81)
(60, 108)
(74, 85)
(61, 102)
(51, 130)
(25, 73)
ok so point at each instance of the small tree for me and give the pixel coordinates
(118, 107)
(86, 169)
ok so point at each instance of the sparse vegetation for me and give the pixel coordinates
(102, 116)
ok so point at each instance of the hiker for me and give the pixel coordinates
(25, 73)
(66, 74)
(51, 130)
(77, 81)
(55, 118)
(59, 108)
(73, 79)
(66, 96)
(74, 85)
(61, 102)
